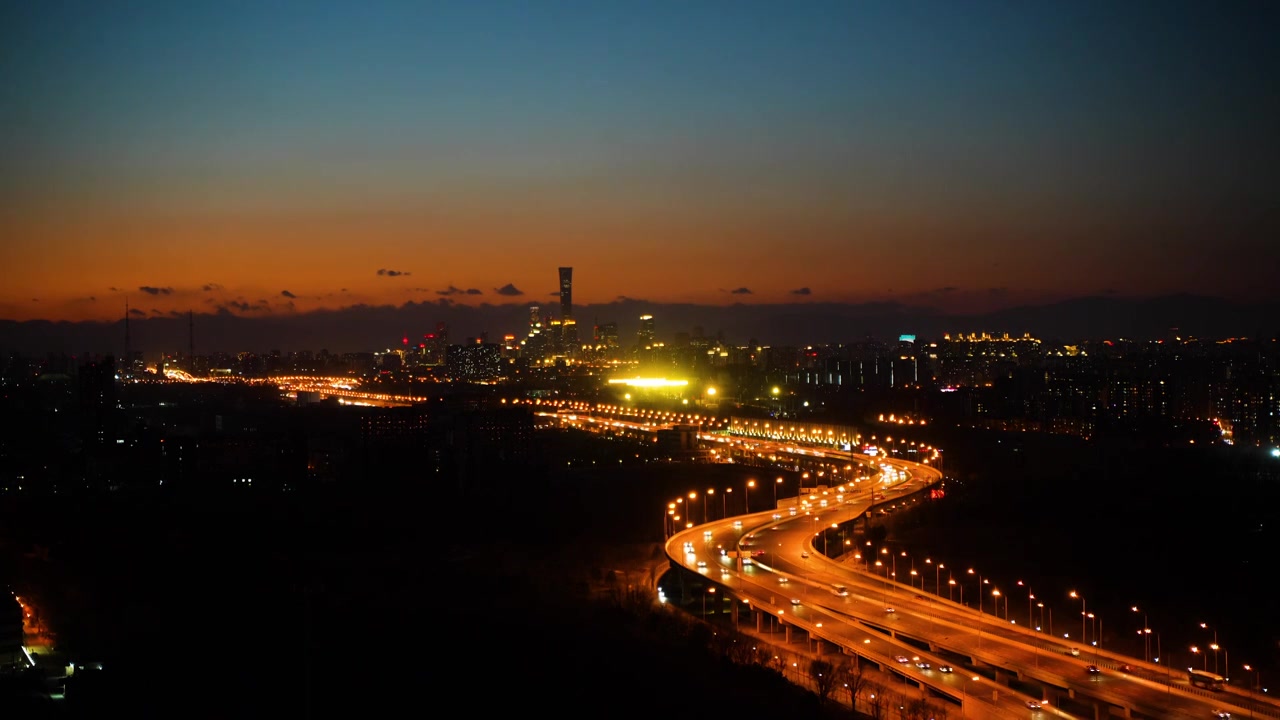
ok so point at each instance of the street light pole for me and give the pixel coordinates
(1084, 609)
(776, 483)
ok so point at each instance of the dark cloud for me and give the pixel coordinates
(509, 290)
(90, 298)
(35, 299)
(740, 291)
(392, 273)
(554, 293)
(286, 293)
(474, 291)
(343, 290)
(114, 289)
(417, 289)
(210, 287)
(148, 289)
(947, 289)
(802, 291)
(451, 290)
(136, 311)
(154, 311)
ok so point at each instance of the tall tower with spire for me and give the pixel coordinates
(128, 349)
(568, 326)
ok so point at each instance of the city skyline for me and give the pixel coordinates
(289, 158)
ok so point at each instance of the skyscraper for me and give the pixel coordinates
(568, 326)
(646, 336)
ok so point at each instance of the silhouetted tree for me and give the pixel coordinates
(856, 679)
(824, 678)
(876, 702)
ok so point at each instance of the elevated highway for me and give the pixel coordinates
(880, 619)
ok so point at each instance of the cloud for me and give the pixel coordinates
(740, 291)
(156, 290)
(114, 289)
(947, 289)
(286, 293)
(210, 287)
(451, 290)
(154, 311)
(90, 298)
(509, 290)
(392, 273)
(555, 293)
(802, 291)
(137, 312)
(343, 290)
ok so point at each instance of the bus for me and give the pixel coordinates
(1207, 680)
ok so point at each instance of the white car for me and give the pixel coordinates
(805, 554)
(737, 524)
(903, 659)
(795, 601)
(783, 580)
(1221, 714)
(702, 563)
(1033, 704)
(777, 516)
(889, 610)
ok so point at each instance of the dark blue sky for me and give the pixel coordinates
(669, 150)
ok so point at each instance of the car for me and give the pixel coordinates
(1125, 667)
(841, 590)
(795, 601)
(737, 523)
(1221, 714)
(702, 563)
(1074, 652)
(1034, 705)
(889, 610)
(784, 580)
(804, 554)
(945, 669)
(902, 659)
(923, 665)
(707, 534)
(777, 516)
(1092, 669)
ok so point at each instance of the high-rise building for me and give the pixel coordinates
(646, 336)
(568, 326)
(566, 293)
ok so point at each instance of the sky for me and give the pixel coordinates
(277, 157)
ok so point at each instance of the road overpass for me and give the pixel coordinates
(934, 628)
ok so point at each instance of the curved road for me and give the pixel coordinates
(791, 569)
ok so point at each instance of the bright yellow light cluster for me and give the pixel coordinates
(643, 382)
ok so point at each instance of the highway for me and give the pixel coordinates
(956, 635)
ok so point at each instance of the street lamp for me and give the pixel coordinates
(995, 592)
(981, 582)
(1145, 632)
(937, 572)
(710, 591)
(1196, 651)
(1257, 685)
(951, 584)
(1084, 635)
(776, 483)
(746, 497)
(724, 503)
(1212, 646)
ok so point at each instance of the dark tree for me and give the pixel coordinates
(824, 678)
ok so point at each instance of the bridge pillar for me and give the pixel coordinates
(788, 630)
(733, 612)
(1071, 693)
(1126, 712)
(1100, 713)
(1002, 677)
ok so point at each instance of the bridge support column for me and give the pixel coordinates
(733, 613)
(1100, 712)
(1126, 712)
(787, 628)
(1002, 677)
(759, 621)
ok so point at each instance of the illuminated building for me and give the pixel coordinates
(479, 361)
(568, 326)
(646, 336)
